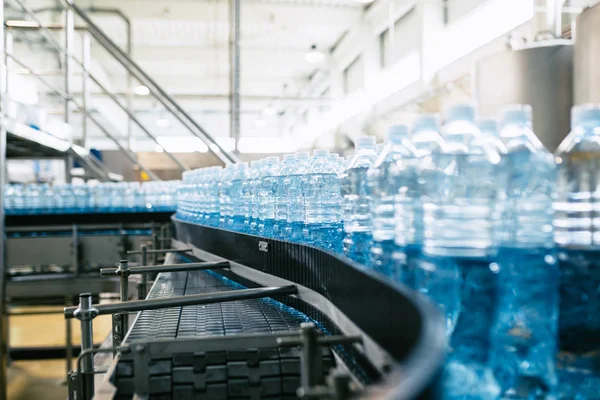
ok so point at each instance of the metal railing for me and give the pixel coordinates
(91, 30)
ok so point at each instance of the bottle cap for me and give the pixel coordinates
(587, 115)
(459, 112)
(271, 160)
(289, 157)
(302, 154)
(427, 122)
(398, 133)
(366, 142)
(320, 153)
(489, 125)
(517, 114)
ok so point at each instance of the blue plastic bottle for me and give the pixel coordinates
(239, 204)
(426, 142)
(226, 219)
(316, 189)
(525, 333)
(577, 236)
(457, 268)
(393, 186)
(267, 190)
(282, 199)
(255, 174)
(213, 214)
(332, 231)
(294, 230)
(357, 200)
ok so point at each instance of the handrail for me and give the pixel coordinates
(167, 101)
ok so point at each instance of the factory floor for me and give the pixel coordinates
(44, 379)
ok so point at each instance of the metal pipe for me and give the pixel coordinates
(144, 286)
(85, 87)
(311, 366)
(123, 150)
(3, 313)
(554, 17)
(123, 272)
(158, 251)
(182, 301)
(132, 117)
(53, 88)
(86, 315)
(234, 71)
(68, 339)
(168, 268)
(8, 51)
(154, 88)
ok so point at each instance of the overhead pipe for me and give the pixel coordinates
(234, 71)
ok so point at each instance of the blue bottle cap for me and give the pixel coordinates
(586, 115)
(271, 160)
(302, 154)
(427, 122)
(398, 133)
(366, 142)
(488, 125)
(289, 157)
(464, 112)
(320, 153)
(517, 114)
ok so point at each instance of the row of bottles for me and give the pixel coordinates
(101, 197)
(296, 199)
(478, 216)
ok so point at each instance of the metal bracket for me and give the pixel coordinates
(74, 384)
(119, 329)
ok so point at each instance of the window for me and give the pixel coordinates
(405, 39)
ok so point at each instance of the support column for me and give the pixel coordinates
(234, 71)
(68, 66)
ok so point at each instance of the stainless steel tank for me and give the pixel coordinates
(540, 75)
(586, 56)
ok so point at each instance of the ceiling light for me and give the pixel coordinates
(314, 56)
(163, 123)
(141, 90)
(260, 123)
(269, 112)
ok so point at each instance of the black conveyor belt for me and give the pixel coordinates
(264, 373)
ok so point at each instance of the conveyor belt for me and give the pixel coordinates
(250, 373)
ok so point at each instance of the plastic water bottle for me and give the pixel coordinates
(239, 205)
(255, 173)
(457, 268)
(525, 333)
(267, 188)
(393, 185)
(225, 196)
(357, 199)
(213, 215)
(426, 142)
(578, 240)
(282, 198)
(332, 231)
(294, 229)
(316, 189)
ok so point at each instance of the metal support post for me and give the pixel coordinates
(234, 71)
(85, 85)
(68, 339)
(86, 313)
(144, 285)
(312, 369)
(3, 313)
(68, 61)
(75, 249)
(144, 269)
(120, 322)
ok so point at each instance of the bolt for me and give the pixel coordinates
(139, 348)
(117, 317)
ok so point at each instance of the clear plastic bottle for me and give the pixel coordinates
(577, 238)
(294, 230)
(426, 142)
(357, 199)
(225, 196)
(282, 199)
(317, 188)
(457, 268)
(256, 168)
(332, 231)
(393, 184)
(267, 189)
(528, 278)
(213, 215)
(239, 205)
